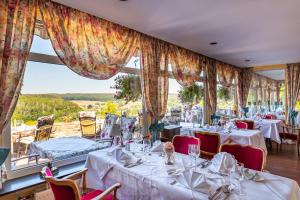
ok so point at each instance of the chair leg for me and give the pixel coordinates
(298, 148)
(270, 143)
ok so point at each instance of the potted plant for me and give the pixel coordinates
(191, 95)
(223, 93)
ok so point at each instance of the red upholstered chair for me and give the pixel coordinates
(250, 124)
(291, 133)
(210, 143)
(269, 116)
(241, 124)
(182, 142)
(67, 188)
(251, 157)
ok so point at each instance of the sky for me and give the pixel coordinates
(43, 78)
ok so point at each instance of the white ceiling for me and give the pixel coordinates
(264, 31)
(273, 74)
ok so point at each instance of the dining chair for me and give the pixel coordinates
(241, 124)
(252, 157)
(291, 133)
(269, 116)
(67, 188)
(210, 143)
(181, 143)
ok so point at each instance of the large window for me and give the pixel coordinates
(53, 89)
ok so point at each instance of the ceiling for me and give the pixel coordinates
(264, 31)
(273, 74)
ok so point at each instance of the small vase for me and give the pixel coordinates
(169, 157)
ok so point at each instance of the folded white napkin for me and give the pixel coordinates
(122, 156)
(222, 163)
(158, 146)
(194, 181)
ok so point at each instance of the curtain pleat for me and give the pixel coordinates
(17, 21)
(244, 77)
(210, 72)
(186, 65)
(154, 76)
(292, 84)
(90, 46)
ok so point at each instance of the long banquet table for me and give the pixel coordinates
(151, 181)
(247, 137)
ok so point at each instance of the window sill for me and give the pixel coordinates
(21, 183)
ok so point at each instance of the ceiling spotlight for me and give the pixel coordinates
(247, 60)
(213, 43)
(123, 0)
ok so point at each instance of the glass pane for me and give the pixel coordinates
(42, 46)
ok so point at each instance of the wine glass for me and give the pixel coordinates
(237, 175)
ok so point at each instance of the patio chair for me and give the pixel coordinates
(67, 188)
(251, 157)
(210, 143)
(290, 133)
(88, 124)
(43, 132)
(182, 142)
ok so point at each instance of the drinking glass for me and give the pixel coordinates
(146, 146)
(237, 176)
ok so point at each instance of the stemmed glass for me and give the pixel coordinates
(237, 173)
(194, 151)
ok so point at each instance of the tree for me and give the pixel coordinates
(128, 88)
(191, 95)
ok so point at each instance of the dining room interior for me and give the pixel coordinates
(161, 99)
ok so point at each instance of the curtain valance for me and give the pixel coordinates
(90, 46)
(186, 65)
(226, 73)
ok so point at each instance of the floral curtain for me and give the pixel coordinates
(292, 84)
(154, 74)
(244, 77)
(186, 65)
(90, 46)
(17, 21)
(210, 72)
(226, 73)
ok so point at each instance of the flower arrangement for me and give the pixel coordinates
(169, 151)
(169, 147)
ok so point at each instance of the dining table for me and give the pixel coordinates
(150, 179)
(239, 136)
(270, 128)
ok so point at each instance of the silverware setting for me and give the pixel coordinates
(138, 162)
(221, 193)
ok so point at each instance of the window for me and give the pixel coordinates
(54, 89)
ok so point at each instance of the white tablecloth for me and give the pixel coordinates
(270, 128)
(248, 137)
(150, 181)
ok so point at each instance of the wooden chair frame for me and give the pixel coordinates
(70, 181)
(93, 119)
(295, 131)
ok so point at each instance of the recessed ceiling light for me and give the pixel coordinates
(123, 0)
(213, 43)
(247, 60)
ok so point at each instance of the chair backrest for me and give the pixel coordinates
(127, 126)
(210, 142)
(43, 133)
(87, 126)
(110, 119)
(269, 116)
(45, 120)
(250, 124)
(251, 157)
(182, 142)
(241, 124)
(63, 188)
